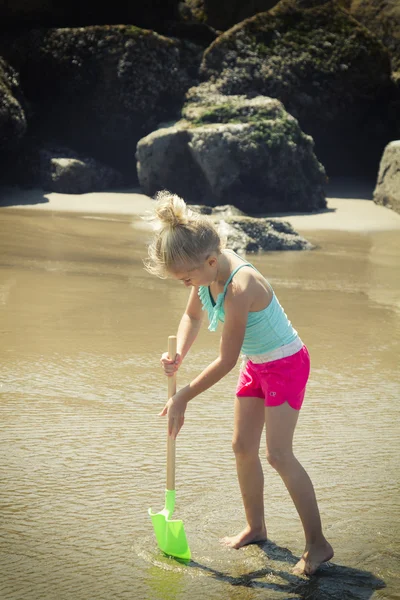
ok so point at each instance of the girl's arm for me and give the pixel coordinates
(190, 323)
(187, 332)
(237, 304)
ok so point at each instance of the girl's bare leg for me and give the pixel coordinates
(280, 422)
(248, 427)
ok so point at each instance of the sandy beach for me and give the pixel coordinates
(350, 207)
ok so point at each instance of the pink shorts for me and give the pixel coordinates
(276, 381)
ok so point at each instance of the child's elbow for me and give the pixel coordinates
(228, 363)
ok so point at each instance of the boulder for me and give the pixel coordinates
(330, 72)
(232, 150)
(249, 234)
(387, 190)
(64, 172)
(382, 17)
(243, 233)
(99, 89)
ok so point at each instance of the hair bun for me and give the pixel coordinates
(171, 210)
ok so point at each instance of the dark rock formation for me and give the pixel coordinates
(100, 89)
(382, 17)
(12, 115)
(330, 72)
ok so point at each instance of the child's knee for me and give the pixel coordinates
(243, 446)
(279, 458)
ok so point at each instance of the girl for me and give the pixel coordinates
(272, 380)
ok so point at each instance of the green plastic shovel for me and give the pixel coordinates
(170, 534)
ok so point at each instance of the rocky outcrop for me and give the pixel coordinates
(249, 234)
(99, 89)
(232, 150)
(64, 172)
(330, 72)
(387, 190)
(12, 115)
(382, 17)
(243, 233)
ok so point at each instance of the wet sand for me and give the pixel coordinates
(350, 207)
(82, 450)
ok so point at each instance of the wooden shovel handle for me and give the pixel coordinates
(170, 440)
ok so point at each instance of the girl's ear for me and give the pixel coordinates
(212, 260)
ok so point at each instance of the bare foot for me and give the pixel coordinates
(313, 557)
(247, 536)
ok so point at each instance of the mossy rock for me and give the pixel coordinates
(329, 71)
(99, 89)
(246, 152)
(382, 17)
(12, 115)
(249, 234)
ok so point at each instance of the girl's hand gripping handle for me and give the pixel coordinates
(171, 361)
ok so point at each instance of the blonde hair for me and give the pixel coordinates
(183, 238)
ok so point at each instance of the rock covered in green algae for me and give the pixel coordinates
(248, 234)
(382, 17)
(329, 71)
(242, 233)
(233, 150)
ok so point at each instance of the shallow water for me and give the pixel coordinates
(82, 451)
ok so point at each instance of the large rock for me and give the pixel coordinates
(382, 17)
(99, 89)
(12, 115)
(64, 172)
(249, 234)
(243, 233)
(387, 190)
(231, 150)
(329, 71)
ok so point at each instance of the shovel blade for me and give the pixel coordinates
(171, 537)
(170, 534)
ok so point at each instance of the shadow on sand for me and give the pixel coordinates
(355, 188)
(12, 196)
(331, 582)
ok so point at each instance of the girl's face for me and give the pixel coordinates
(203, 274)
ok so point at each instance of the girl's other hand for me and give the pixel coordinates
(169, 365)
(175, 410)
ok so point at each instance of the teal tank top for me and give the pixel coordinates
(266, 329)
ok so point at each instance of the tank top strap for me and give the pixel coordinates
(245, 264)
(234, 273)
